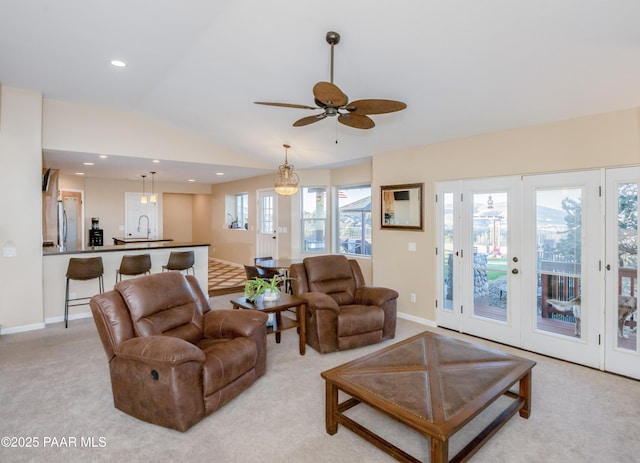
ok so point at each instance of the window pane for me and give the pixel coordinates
(627, 266)
(559, 240)
(448, 254)
(314, 214)
(242, 209)
(267, 215)
(354, 220)
(490, 255)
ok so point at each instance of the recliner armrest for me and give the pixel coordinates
(374, 295)
(233, 323)
(159, 350)
(320, 301)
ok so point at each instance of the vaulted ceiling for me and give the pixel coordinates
(463, 67)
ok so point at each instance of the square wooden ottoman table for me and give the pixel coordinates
(434, 384)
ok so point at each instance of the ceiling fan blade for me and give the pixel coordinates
(357, 121)
(327, 92)
(375, 106)
(285, 105)
(309, 120)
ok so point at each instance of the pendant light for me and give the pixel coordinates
(286, 181)
(143, 198)
(153, 198)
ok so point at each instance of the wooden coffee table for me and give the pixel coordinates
(432, 383)
(285, 301)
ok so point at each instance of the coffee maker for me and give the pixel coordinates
(96, 237)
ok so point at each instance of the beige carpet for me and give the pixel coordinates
(55, 383)
(225, 278)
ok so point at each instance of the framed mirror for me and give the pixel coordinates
(401, 207)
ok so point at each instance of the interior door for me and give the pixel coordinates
(267, 235)
(622, 352)
(562, 298)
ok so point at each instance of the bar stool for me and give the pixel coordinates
(82, 269)
(134, 265)
(180, 260)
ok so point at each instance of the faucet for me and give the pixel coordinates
(148, 225)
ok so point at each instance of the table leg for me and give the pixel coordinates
(302, 322)
(439, 451)
(278, 325)
(525, 393)
(331, 408)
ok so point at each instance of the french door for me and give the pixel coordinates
(481, 253)
(509, 248)
(622, 352)
(563, 292)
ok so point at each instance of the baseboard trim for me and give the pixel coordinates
(413, 318)
(23, 328)
(76, 316)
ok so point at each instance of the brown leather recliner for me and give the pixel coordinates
(342, 312)
(172, 359)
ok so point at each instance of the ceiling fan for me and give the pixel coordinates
(333, 102)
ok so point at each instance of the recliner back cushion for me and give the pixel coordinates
(163, 304)
(333, 276)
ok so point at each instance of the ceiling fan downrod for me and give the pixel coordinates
(333, 38)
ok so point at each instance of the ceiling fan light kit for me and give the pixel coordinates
(286, 181)
(333, 102)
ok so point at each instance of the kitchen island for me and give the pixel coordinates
(56, 260)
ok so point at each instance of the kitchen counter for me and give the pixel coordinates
(123, 240)
(55, 262)
(132, 246)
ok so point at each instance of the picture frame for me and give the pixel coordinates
(401, 207)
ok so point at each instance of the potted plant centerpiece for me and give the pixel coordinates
(268, 289)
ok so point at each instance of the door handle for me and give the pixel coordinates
(515, 271)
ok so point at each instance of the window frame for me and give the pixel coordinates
(303, 220)
(338, 249)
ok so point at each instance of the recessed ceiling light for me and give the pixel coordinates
(88, 163)
(156, 161)
(118, 63)
(103, 156)
(191, 180)
(219, 173)
(79, 173)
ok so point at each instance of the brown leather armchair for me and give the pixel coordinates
(342, 312)
(172, 359)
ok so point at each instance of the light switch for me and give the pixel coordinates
(9, 251)
(412, 247)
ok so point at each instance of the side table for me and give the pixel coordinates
(285, 301)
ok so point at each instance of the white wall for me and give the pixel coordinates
(21, 223)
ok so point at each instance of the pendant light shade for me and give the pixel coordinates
(286, 181)
(143, 198)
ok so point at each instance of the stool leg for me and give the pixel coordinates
(66, 305)
(101, 283)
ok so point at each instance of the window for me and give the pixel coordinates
(237, 208)
(314, 218)
(354, 220)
